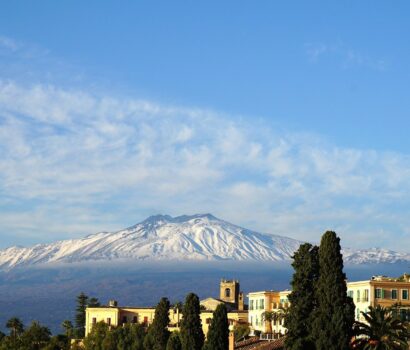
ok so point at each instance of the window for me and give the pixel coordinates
(405, 294)
(394, 293)
(358, 295)
(256, 304)
(378, 293)
(94, 320)
(135, 319)
(251, 305)
(208, 320)
(252, 320)
(366, 295)
(262, 304)
(145, 320)
(350, 293)
(124, 319)
(357, 314)
(227, 293)
(109, 321)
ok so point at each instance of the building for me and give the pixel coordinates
(381, 290)
(115, 316)
(267, 301)
(229, 294)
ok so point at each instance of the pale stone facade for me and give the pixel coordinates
(381, 290)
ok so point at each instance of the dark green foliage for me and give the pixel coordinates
(334, 315)
(192, 336)
(58, 342)
(16, 328)
(82, 302)
(130, 337)
(218, 334)
(94, 340)
(110, 340)
(382, 331)
(158, 330)
(35, 337)
(302, 299)
(93, 302)
(174, 342)
(149, 341)
(68, 328)
(241, 331)
(2, 335)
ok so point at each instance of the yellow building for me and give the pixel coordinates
(267, 301)
(381, 290)
(115, 316)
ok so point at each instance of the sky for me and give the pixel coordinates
(289, 118)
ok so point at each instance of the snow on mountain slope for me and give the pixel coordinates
(162, 237)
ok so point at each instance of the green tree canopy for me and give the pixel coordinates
(94, 340)
(159, 328)
(68, 328)
(35, 336)
(334, 315)
(241, 331)
(302, 298)
(192, 336)
(174, 342)
(218, 334)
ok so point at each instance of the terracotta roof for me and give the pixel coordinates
(256, 344)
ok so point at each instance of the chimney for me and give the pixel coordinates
(231, 341)
(112, 303)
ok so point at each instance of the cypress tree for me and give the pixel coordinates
(334, 316)
(82, 301)
(302, 299)
(218, 334)
(159, 328)
(192, 336)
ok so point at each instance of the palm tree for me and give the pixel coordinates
(268, 317)
(381, 331)
(16, 328)
(68, 327)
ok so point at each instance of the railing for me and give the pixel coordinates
(270, 336)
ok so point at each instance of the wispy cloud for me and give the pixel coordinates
(71, 161)
(345, 56)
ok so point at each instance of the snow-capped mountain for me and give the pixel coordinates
(162, 237)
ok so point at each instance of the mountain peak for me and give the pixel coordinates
(185, 237)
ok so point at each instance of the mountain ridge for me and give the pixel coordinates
(183, 238)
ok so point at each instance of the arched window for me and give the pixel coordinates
(227, 293)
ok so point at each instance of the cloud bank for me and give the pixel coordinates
(73, 162)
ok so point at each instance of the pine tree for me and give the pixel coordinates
(174, 342)
(218, 334)
(192, 336)
(82, 301)
(159, 328)
(334, 317)
(302, 299)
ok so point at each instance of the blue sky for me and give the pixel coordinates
(289, 118)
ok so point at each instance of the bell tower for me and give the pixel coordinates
(229, 291)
